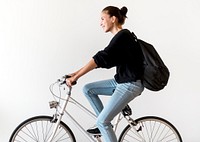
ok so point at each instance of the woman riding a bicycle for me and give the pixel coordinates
(123, 53)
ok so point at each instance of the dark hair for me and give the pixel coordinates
(119, 13)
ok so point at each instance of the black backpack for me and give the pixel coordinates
(156, 73)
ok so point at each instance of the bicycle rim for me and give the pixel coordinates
(150, 129)
(39, 129)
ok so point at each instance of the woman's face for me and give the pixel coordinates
(107, 22)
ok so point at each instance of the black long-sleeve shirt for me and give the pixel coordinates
(124, 54)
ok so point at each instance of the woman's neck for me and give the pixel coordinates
(116, 29)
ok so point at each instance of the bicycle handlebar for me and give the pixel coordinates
(64, 80)
(61, 82)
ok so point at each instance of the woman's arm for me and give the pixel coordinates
(75, 76)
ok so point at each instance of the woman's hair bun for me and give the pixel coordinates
(123, 11)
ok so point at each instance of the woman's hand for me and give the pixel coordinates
(71, 81)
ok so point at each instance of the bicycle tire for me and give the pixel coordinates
(39, 129)
(150, 129)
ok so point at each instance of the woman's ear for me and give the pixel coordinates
(113, 19)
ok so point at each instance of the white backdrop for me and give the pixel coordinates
(41, 40)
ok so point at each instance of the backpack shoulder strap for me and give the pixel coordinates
(134, 35)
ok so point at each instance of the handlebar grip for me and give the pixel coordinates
(68, 76)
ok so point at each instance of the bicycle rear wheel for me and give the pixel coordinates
(39, 129)
(150, 129)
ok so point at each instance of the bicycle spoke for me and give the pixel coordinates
(40, 129)
(155, 132)
(150, 129)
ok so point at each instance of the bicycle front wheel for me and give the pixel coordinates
(150, 129)
(39, 129)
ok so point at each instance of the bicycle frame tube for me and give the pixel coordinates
(82, 107)
(63, 110)
(81, 128)
(117, 119)
(67, 99)
(72, 100)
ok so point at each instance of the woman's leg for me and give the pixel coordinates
(92, 90)
(122, 95)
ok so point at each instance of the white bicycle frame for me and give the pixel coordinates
(62, 110)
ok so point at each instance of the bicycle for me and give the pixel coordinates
(53, 129)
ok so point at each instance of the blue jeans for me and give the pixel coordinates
(121, 94)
